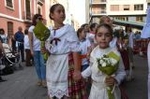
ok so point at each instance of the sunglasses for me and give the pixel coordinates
(40, 18)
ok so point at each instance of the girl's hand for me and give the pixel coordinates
(77, 75)
(32, 53)
(110, 81)
(43, 50)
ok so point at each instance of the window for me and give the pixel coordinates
(10, 28)
(39, 10)
(138, 7)
(28, 12)
(122, 18)
(114, 8)
(126, 7)
(139, 18)
(9, 3)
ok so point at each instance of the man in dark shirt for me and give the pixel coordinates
(19, 37)
(1, 50)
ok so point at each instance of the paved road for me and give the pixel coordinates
(22, 84)
(137, 89)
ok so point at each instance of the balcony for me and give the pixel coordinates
(97, 2)
(98, 13)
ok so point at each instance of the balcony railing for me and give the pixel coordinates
(98, 1)
(99, 12)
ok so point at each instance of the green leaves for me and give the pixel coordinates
(41, 31)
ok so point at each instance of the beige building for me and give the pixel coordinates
(122, 11)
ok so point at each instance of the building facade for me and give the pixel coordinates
(127, 11)
(15, 13)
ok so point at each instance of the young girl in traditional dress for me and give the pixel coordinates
(85, 47)
(101, 80)
(63, 61)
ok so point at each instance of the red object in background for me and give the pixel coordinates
(141, 46)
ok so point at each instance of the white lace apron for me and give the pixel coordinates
(57, 75)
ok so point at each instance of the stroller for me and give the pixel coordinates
(9, 60)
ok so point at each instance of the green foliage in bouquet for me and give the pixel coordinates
(108, 64)
(108, 69)
(42, 33)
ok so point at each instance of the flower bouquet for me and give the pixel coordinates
(42, 33)
(108, 64)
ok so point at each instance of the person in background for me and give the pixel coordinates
(86, 27)
(19, 38)
(64, 61)
(35, 48)
(27, 49)
(128, 31)
(3, 36)
(137, 35)
(106, 20)
(93, 28)
(85, 47)
(13, 44)
(1, 54)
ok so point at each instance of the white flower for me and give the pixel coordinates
(104, 64)
(101, 61)
(113, 61)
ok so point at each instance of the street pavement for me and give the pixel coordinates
(22, 83)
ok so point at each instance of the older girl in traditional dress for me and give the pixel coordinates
(63, 61)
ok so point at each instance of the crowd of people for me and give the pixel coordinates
(71, 71)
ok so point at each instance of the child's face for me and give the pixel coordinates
(83, 34)
(86, 28)
(59, 14)
(108, 21)
(103, 37)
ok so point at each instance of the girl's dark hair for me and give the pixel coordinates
(79, 31)
(35, 17)
(83, 25)
(2, 30)
(26, 31)
(106, 26)
(52, 9)
(92, 26)
(128, 26)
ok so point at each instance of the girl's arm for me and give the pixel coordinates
(77, 66)
(77, 61)
(30, 35)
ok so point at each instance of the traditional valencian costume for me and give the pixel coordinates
(60, 65)
(99, 88)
